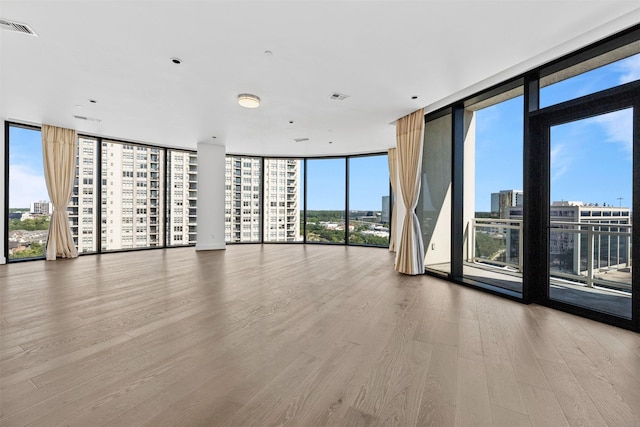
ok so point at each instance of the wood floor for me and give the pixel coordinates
(265, 335)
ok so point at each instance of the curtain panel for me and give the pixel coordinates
(409, 140)
(393, 177)
(59, 148)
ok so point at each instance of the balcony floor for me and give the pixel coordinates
(599, 299)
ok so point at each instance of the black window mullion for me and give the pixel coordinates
(304, 214)
(457, 186)
(98, 190)
(6, 192)
(166, 214)
(346, 201)
(635, 230)
(264, 178)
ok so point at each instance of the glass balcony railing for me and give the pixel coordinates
(589, 254)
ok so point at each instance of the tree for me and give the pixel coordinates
(36, 250)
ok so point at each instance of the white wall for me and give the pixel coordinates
(211, 164)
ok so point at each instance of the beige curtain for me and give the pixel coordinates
(393, 177)
(59, 154)
(409, 139)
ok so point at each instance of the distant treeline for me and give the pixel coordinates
(31, 224)
(328, 216)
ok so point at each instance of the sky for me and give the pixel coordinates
(591, 160)
(26, 176)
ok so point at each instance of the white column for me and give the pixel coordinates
(211, 164)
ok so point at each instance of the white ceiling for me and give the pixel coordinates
(379, 53)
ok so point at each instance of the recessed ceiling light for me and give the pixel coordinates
(268, 52)
(176, 60)
(214, 137)
(414, 97)
(248, 101)
(291, 122)
(330, 142)
(93, 101)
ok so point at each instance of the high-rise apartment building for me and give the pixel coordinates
(82, 208)
(244, 196)
(505, 199)
(132, 196)
(386, 209)
(41, 208)
(182, 192)
(281, 200)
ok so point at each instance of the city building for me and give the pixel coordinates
(281, 200)
(577, 226)
(503, 200)
(41, 208)
(132, 194)
(386, 209)
(244, 199)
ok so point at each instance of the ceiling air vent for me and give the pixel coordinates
(301, 139)
(338, 96)
(89, 119)
(18, 27)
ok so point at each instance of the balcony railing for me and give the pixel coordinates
(585, 253)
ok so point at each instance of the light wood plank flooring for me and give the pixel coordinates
(262, 335)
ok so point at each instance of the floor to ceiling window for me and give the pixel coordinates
(591, 175)
(243, 199)
(325, 200)
(83, 206)
(29, 209)
(434, 204)
(493, 196)
(133, 196)
(283, 200)
(182, 197)
(369, 200)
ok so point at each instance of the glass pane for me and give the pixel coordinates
(182, 197)
(243, 198)
(83, 208)
(434, 204)
(325, 200)
(132, 196)
(600, 73)
(29, 207)
(493, 196)
(590, 219)
(282, 188)
(368, 196)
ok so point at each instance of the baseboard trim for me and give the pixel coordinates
(210, 246)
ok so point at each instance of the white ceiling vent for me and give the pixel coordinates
(89, 119)
(18, 27)
(338, 96)
(301, 139)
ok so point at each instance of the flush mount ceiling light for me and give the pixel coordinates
(248, 101)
